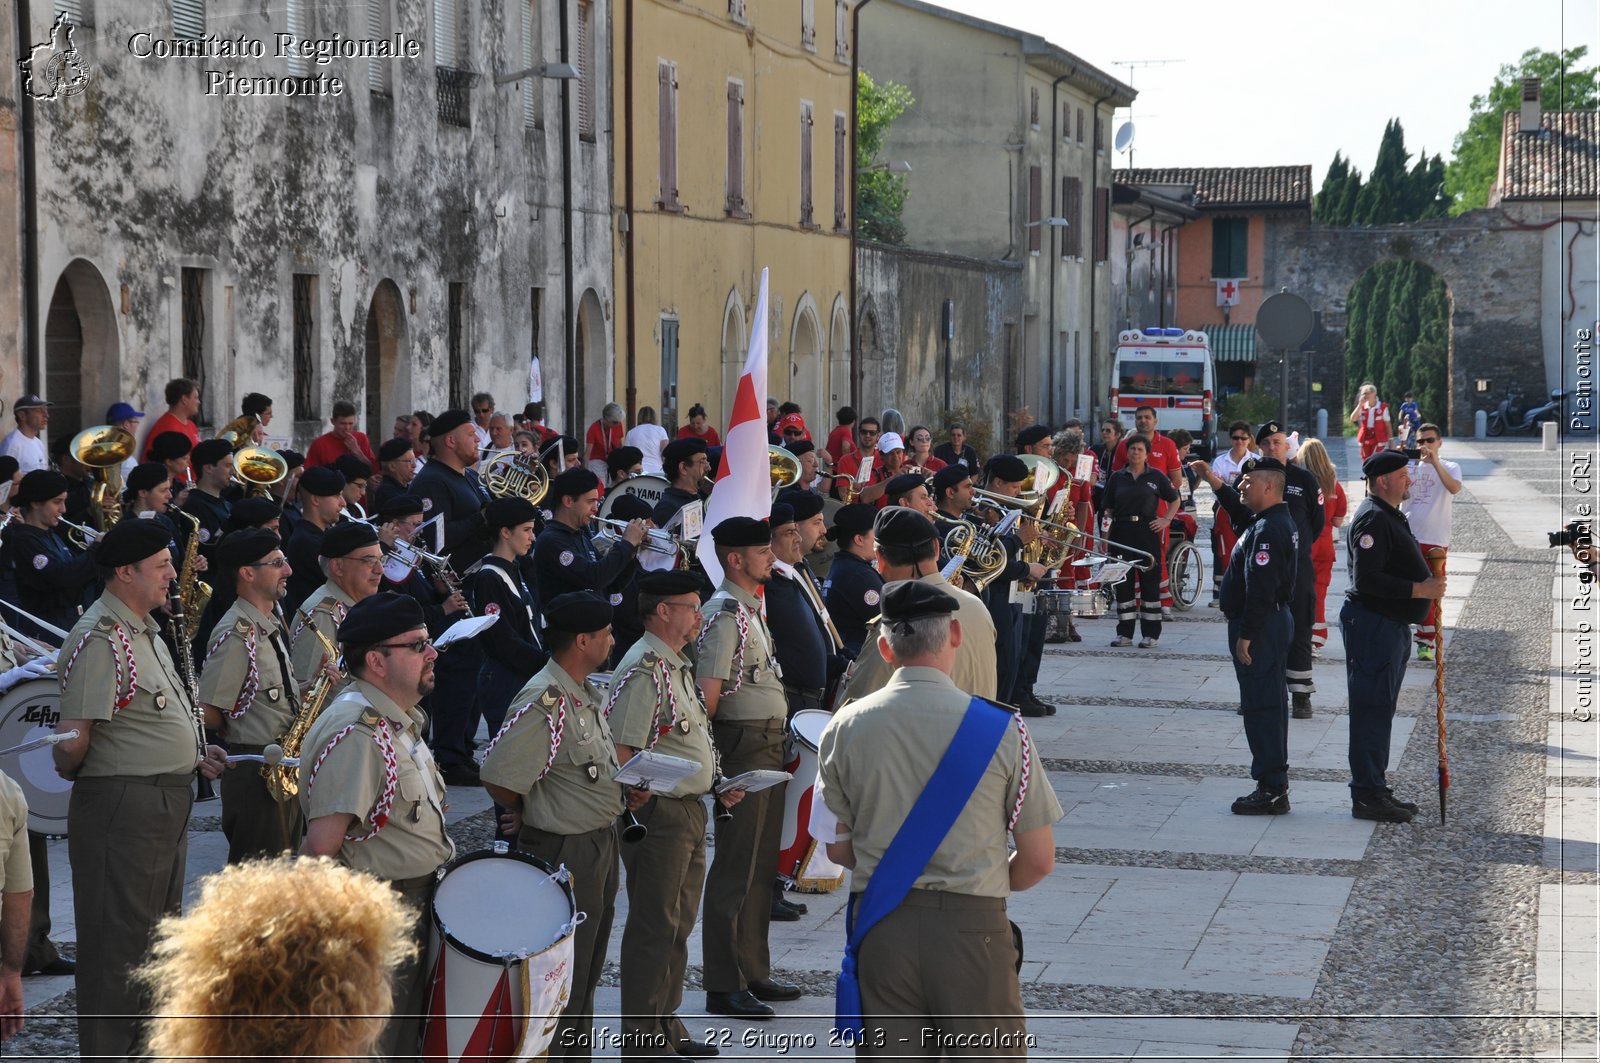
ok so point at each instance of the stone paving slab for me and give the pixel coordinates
(1566, 979)
(1573, 747)
(1175, 814)
(1572, 828)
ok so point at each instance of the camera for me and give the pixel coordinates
(1577, 533)
(1412, 453)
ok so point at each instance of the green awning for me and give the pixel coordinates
(1232, 343)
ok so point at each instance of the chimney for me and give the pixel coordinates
(1530, 105)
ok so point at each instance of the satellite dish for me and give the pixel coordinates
(1124, 138)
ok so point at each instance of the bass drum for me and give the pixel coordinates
(800, 859)
(649, 488)
(28, 711)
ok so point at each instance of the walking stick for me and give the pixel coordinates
(1436, 558)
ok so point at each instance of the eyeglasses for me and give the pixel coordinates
(419, 646)
(1240, 439)
(277, 562)
(371, 562)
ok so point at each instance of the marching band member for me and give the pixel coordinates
(742, 685)
(453, 498)
(357, 473)
(512, 649)
(1077, 508)
(54, 581)
(907, 549)
(561, 451)
(952, 497)
(800, 641)
(254, 512)
(910, 490)
(132, 764)
(372, 795)
(1035, 440)
(351, 564)
(622, 464)
(1005, 473)
(285, 493)
(854, 586)
(627, 623)
(399, 518)
(322, 494)
(805, 452)
(248, 692)
(172, 449)
(686, 463)
(551, 767)
(942, 960)
(16, 902)
(212, 462)
(80, 485)
(564, 558)
(655, 705)
(397, 467)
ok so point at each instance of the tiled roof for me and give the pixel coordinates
(1561, 161)
(1232, 186)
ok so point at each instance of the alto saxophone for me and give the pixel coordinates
(283, 780)
(196, 591)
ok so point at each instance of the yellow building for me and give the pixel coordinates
(732, 137)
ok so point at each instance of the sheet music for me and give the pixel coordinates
(754, 781)
(655, 771)
(471, 627)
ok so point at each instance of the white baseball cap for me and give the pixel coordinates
(890, 441)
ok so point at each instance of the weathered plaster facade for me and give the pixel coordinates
(10, 219)
(374, 196)
(1145, 231)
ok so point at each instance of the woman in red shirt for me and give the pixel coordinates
(697, 428)
(1314, 458)
(842, 440)
(920, 453)
(604, 436)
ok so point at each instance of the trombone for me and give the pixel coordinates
(656, 540)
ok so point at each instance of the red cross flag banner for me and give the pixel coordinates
(1227, 292)
(745, 489)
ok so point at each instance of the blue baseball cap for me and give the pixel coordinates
(121, 411)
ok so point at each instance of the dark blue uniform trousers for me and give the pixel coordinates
(455, 703)
(1035, 627)
(1264, 696)
(1376, 650)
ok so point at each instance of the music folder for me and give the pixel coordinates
(655, 771)
(754, 781)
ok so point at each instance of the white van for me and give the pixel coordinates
(1171, 370)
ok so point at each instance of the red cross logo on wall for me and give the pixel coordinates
(1227, 293)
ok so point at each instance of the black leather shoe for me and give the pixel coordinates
(793, 906)
(780, 896)
(58, 966)
(740, 1005)
(1301, 706)
(461, 775)
(696, 1049)
(1031, 707)
(1262, 803)
(773, 990)
(782, 913)
(1380, 807)
(1409, 806)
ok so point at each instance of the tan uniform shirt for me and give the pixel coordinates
(974, 669)
(16, 870)
(113, 656)
(655, 705)
(756, 692)
(558, 754)
(325, 609)
(876, 757)
(244, 676)
(400, 829)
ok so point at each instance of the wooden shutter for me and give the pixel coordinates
(188, 18)
(1080, 125)
(806, 211)
(1035, 205)
(735, 148)
(585, 65)
(1072, 210)
(808, 24)
(667, 133)
(1102, 223)
(76, 10)
(446, 34)
(294, 17)
(1033, 107)
(531, 111)
(841, 148)
(379, 71)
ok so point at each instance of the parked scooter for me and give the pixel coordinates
(1509, 417)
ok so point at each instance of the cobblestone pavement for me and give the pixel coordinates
(1174, 930)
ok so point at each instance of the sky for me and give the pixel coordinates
(1268, 83)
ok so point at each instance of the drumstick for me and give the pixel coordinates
(42, 740)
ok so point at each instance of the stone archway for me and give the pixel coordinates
(838, 389)
(1398, 338)
(388, 369)
(82, 350)
(805, 359)
(735, 341)
(870, 386)
(589, 362)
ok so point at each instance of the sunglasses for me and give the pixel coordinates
(869, 431)
(1240, 439)
(1435, 439)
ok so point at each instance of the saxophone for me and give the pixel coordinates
(196, 591)
(283, 781)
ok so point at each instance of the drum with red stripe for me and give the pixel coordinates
(800, 858)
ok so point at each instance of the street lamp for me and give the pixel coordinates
(888, 167)
(1053, 221)
(554, 71)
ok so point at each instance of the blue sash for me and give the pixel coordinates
(914, 844)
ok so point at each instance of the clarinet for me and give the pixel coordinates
(185, 652)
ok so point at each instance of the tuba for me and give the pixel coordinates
(239, 430)
(104, 448)
(283, 780)
(258, 468)
(783, 466)
(513, 474)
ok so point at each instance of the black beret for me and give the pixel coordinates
(244, 547)
(903, 484)
(630, 507)
(346, 538)
(1267, 429)
(146, 476)
(253, 512)
(322, 480)
(667, 584)
(509, 512)
(131, 541)
(447, 422)
(681, 449)
(380, 618)
(798, 447)
(577, 612)
(169, 445)
(1384, 461)
(393, 449)
(899, 526)
(624, 458)
(209, 452)
(1007, 467)
(8, 467)
(352, 467)
(905, 600)
(41, 485)
(573, 483)
(806, 504)
(1265, 465)
(400, 506)
(742, 531)
(1032, 434)
(948, 477)
(292, 458)
(781, 515)
(852, 520)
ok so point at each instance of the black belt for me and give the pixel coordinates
(1131, 520)
(805, 692)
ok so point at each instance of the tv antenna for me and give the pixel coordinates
(1125, 142)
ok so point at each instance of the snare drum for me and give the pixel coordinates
(1088, 604)
(27, 711)
(500, 950)
(800, 857)
(1053, 602)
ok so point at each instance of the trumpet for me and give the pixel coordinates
(661, 542)
(80, 535)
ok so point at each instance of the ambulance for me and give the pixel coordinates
(1171, 370)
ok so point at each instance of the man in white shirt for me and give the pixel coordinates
(26, 441)
(1228, 465)
(482, 411)
(1434, 483)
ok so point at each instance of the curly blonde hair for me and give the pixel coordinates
(1314, 458)
(281, 959)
